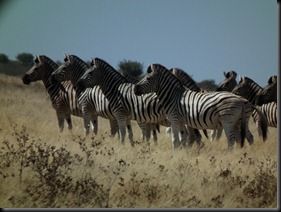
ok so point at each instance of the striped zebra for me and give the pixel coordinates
(91, 100)
(229, 82)
(62, 95)
(211, 110)
(125, 104)
(191, 85)
(149, 127)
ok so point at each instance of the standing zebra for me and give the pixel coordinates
(62, 95)
(91, 100)
(229, 82)
(191, 85)
(154, 127)
(211, 110)
(125, 104)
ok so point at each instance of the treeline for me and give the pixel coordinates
(24, 61)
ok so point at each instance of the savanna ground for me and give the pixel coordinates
(42, 168)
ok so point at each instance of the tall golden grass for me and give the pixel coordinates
(99, 172)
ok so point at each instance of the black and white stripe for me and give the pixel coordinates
(211, 110)
(92, 101)
(124, 103)
(62, 95)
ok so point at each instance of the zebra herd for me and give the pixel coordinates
(167, 97)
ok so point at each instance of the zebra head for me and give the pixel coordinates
(150, 82)
(41, 70)
(90, 77)
(269, 93)
(229, 82)
(241, 88)
(61, 73)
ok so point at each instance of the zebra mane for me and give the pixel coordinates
(109, 70)
(158, 68)
(249, 81)
(48, 61)
(187, 80)
(78, 60)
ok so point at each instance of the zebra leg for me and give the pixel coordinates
(213, 135)
(95, 123)
(60, 118)
(168, 131)
(183, 136)
(122, 129)
(229, 132)
(145, 133)
(69, 122)
(237, 135)
(154, 133)
(191, 136)
(130, 132)
(197, 136)
(219, 133)
(175, 136)
(114, 128)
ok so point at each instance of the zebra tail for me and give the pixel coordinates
(262, 123)
(243, 126)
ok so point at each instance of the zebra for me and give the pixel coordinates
(269, 93)
(191, 85)
(62, 95)
(229, 82)
(154, 127)
(125, 104)
(211, 110)
(92, 101)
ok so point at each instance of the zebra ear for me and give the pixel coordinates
(149, 69)
(66, 57)
(36, 59)
(92, 62)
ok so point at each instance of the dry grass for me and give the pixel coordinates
(39, 167)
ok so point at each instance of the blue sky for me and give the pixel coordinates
(203, 37)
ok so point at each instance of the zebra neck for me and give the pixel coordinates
(168, 94)
(253, 93)
(80, 69)
(51, 89)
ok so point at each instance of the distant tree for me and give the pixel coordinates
(25, 58)
(4, 58)
(208, 85)
(129, 67)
